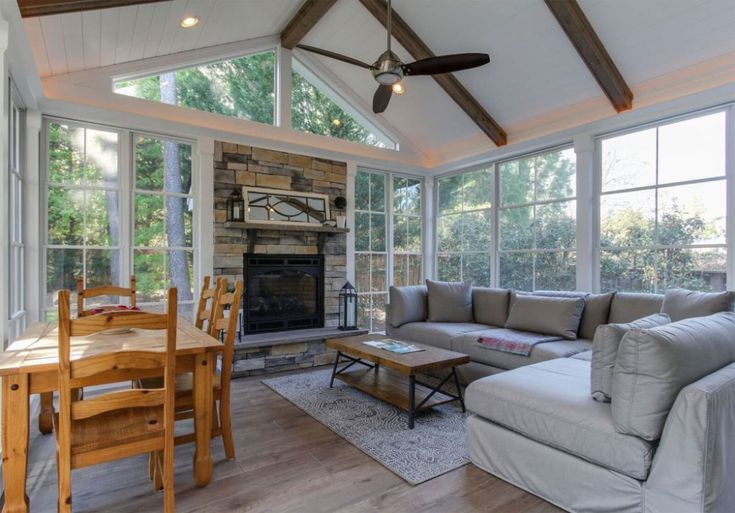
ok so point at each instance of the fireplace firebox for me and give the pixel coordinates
(283, 292)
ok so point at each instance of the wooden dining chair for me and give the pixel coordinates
(118, 424)
(104, 290)
(222, 425)
(207, 298)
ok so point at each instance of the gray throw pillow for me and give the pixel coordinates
(605, 350)
(596, 313)
(548, 315)
(490, 306)
(629, 306)
(683, 304)
(596, 309)
(654, 364)
(408, 304)
(449, 301)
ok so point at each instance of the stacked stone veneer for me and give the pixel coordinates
(235, 166)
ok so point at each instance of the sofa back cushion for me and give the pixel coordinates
(596, 309)
(543, 314)
(408, 304)
(605, 350)
(654, 364)
(490, 306)
(449, 301)
(682, 304)
(629, 306)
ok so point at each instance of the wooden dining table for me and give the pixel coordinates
(30, 366)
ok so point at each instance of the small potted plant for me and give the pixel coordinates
(340, 204)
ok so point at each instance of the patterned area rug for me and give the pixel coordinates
(435, 446)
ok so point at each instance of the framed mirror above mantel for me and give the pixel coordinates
(279, 210)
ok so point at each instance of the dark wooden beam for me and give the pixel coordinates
(405, 35)
(584, 38)
(32, 8)
(310, 12)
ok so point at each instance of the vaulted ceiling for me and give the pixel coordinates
(534, 69)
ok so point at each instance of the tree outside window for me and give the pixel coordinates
(663, 207)
(537, 243)
(464, 227)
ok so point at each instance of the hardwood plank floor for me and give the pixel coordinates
(286, 462)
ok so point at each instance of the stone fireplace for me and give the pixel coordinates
(283, 292)
(287, 347)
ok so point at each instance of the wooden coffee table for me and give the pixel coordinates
(391, 377)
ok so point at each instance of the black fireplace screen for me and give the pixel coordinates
(283, 292)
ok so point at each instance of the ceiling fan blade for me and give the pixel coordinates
(337, 56)
(382, 98)
(446, 63)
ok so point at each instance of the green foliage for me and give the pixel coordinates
(242, 87)
(312, 111)
(646, 269)
(245, 88)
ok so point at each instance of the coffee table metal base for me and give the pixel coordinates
(390, 386)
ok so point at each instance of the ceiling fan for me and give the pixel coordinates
(389, 71)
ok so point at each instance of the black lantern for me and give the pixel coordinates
(348, 307)
(235, 206)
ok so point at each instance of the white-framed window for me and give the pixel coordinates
(388, 240)
(241, 87)
(16, 236)
(407, 228)
(163, 209)
(465, 227)
(663, 205)
(117, 203)
(537, 221)
(317, 109)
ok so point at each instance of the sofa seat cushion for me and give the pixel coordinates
(584, 355)
(467, 343)
(549, 402)
(437, 334)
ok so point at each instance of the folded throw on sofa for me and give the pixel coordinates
(514, 342)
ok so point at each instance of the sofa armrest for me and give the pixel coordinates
(693, 467)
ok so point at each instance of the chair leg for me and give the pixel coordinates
(167, 467)
(151, 465)
(63, 476)
(158, 476)
(225, 420)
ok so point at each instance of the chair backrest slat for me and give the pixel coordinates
(207, 299)
(121, 361)
(104, 290)
(229, 325)
(137, 398)
(117, 320)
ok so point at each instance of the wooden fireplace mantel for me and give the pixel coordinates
(254, 228)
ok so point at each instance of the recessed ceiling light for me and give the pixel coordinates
(189, 21)
(336, 122)
(398, 88)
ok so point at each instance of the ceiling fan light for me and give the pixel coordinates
(387, 78)
(398, 88)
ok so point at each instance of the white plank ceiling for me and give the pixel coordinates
(534, 69)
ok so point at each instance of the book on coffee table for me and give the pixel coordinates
(394, 346)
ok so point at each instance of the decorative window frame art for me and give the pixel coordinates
(285, 208)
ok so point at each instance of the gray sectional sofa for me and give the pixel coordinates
(657, 437)
(408, 319)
